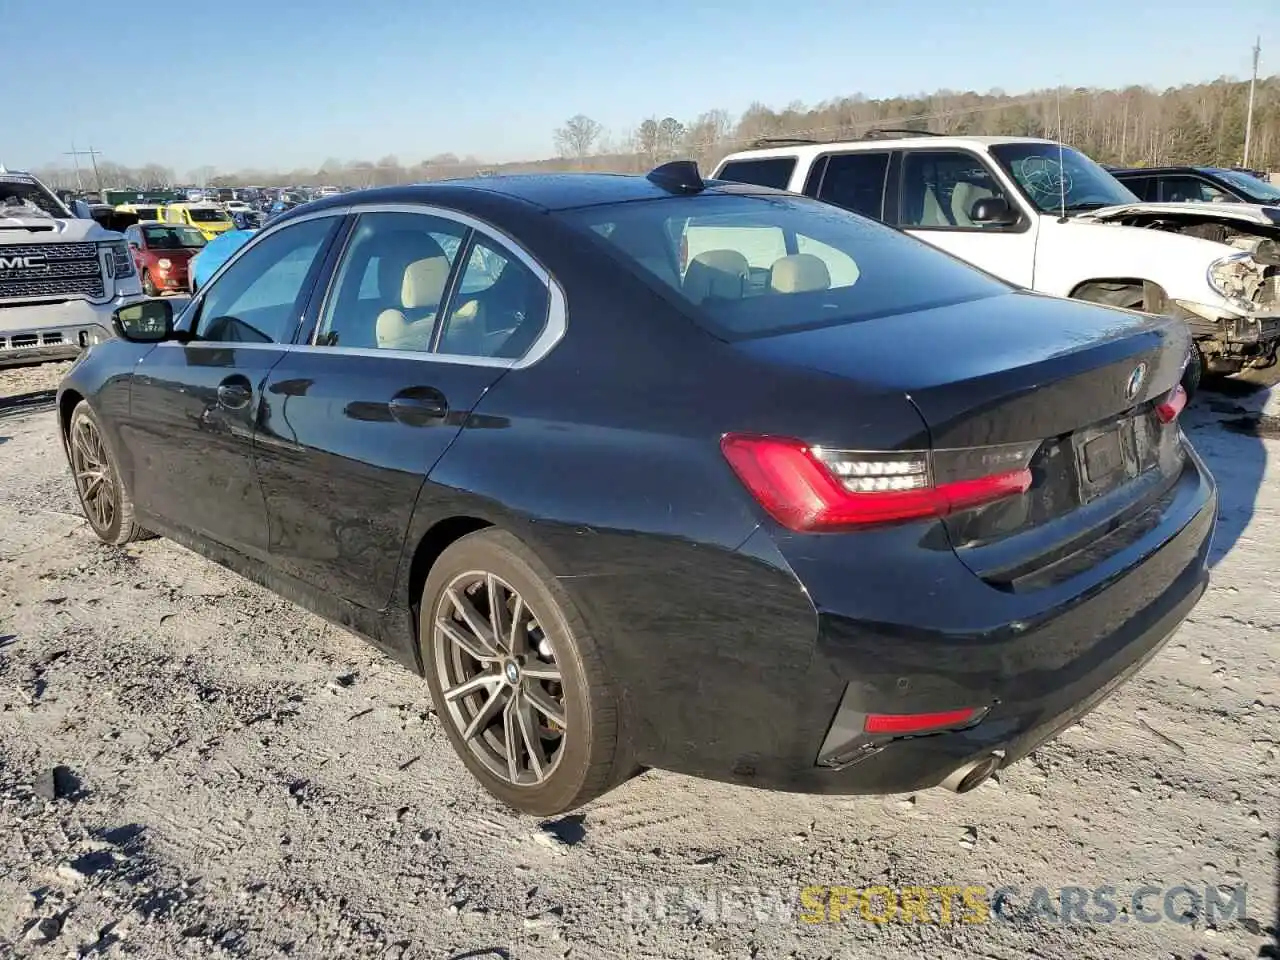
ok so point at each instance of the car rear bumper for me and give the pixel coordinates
(931, 639)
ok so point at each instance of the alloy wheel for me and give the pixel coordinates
(95, 480)
(501, 683)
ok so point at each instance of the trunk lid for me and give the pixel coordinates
(1073, 385)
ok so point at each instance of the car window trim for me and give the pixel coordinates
(553, 329)
(451, 285)
(988, 163)
(192, 310)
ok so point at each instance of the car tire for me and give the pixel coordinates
(1131, 297)
(148, 286)
(589, 757)
(103, 496)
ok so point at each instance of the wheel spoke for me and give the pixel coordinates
(537, 670)
(471, 616)
(484, 716)
(497, 606)
(541, 701)
(481, 681)
(512, 735)
(472, 645)
(529, 736)
(517, 639)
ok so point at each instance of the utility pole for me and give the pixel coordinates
(93, 155)
(1248, 122)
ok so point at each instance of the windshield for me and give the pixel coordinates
(24, 197)
(207, 215)
(1259, 191)
(754, 266)
(172, 238)
(1046, 173)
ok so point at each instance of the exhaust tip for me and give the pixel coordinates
(972, 775)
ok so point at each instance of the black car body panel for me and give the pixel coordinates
(736, 644)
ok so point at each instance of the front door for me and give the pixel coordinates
(936, 196)
(194, 406)
(423, 315)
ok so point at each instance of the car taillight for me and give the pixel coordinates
(1167, 410)
(809, 488)
(902, 724)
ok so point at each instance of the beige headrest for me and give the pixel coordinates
(423, 284)
(716, 273)
(799, 273)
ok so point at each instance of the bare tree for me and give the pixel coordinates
(578, 135)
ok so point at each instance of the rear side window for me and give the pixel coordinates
(750, 266)
(772, 172)
(855, 181)
(1144, 187)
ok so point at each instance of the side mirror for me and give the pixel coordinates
(81, 210)
(993, 210)
(148, 321)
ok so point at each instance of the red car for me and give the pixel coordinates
(162, 252)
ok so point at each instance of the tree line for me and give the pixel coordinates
(1200, 123)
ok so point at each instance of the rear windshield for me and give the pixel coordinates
(759, 265)
(207, 215)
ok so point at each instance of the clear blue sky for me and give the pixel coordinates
(285, 83)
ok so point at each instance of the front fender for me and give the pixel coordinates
(1073, 253)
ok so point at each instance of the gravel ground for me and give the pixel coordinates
(191, 767)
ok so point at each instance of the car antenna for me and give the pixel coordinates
(1062, 173)
(678, 176)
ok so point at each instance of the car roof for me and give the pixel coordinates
(553, 191)
(807, 151)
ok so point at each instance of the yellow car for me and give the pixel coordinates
(205, 217)
(143, 211)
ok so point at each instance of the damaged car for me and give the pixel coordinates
(1043, 216)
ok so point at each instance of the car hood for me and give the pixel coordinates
(181, 254)
(1255, 213)
(48, 230)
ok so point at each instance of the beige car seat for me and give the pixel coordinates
(799, 273)
(416, 287)
(719, 274)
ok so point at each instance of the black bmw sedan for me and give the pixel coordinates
(656, 472)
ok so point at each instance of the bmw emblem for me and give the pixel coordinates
(1136, 380)
(513, 673)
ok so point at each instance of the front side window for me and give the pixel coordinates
(500, 308)
(855, 181)
(941, 187)
(1184, 189)
(1053, 177)
(772, 172)
(391, 283)
(749, 266)
(259, 297)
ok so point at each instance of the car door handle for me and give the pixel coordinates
(234, 395)
(419, 406)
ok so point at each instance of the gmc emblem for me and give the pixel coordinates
(32, 261)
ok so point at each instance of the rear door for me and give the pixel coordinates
(426, 310)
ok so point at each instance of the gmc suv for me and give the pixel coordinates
(61, 275)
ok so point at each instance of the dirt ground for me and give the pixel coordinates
(191, 767)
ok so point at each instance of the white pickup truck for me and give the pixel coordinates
(1045, 217)
(61, 275)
